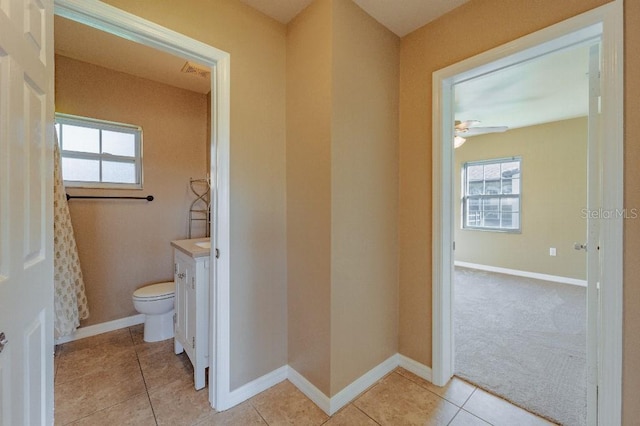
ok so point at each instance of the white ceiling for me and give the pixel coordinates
(399, 16)
(84, 43)
(553, 87)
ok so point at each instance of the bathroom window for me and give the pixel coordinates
(99, 154)
(491, 195)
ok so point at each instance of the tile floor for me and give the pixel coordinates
(116, 379)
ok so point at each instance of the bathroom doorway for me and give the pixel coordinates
(114, 21)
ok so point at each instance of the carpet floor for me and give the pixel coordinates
(524, 340)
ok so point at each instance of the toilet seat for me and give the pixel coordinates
(153, 292)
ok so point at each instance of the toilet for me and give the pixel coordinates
(155, 301)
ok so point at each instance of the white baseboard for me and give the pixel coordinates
(415, 367)
(526, 274)
(312, 392)
(348, 394)
(332, 405)
(256, 386)
(104, 327)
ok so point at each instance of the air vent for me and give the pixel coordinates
(196, 69)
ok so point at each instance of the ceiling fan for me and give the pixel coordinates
(471, 128)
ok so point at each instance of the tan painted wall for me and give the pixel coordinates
(342, 193)
(309, 199)
(125, 244)
(364, 176)
(554, 194)
(257, 46)
(487, 24)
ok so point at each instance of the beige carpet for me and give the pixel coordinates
(523, 339)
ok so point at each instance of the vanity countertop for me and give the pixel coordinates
(195, 247)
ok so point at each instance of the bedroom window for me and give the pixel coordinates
(491, 195)
(99, 154)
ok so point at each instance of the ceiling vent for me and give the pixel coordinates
(196, 69)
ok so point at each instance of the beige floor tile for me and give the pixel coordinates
(161, 366)
(137, 333)
(350, 416)
(457, 391)
(178, 403)
(135, 412)
(397, 400)
(499, 412)
(284, 404)
(73, 365)
(113, 339)
(464, 418)
(95, 391)
(243, 414)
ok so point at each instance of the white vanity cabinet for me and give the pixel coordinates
(191, 275)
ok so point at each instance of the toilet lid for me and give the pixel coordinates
(156, 290)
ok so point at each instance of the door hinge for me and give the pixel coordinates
(217, 254)
(193, 342)
(175, 319)
(454, 246)
(193, 282)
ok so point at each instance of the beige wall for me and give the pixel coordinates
(342, 100)
(257, 46)
(487, 24)
(554, 193)
(364, 176)
(124, 244)
(309, 79)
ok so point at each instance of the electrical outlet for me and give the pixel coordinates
(552, 251)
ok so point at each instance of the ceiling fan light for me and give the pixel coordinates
(458, 141)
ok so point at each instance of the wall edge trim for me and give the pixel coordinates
(415, 367)
(306, 387)
(519, 273)
(103, 327)
(256, 386)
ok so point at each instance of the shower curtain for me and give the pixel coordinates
(70, 301)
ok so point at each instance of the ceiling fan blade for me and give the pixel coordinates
(474, 131)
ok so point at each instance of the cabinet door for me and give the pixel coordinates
(180, 301)
(191, 311)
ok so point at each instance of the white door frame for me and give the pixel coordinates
(115, 21)
(608, 20)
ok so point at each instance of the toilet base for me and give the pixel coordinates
(158, 327)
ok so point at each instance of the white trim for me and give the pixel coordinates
(307, 388)
(415, 367)
(258, 385)
(526, 274)
(355, 388)
(104, 327)
(332, 405)
(115, 21)
(609, 19)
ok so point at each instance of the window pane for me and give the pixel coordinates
(476, 188)
(492, 219)
(475, 173)
(492, 171)
(118, 143)
(117, 172)
(81, 139)
(491, 204)
(492, 187)
(510, 205)
(515, 186)
(80, 170)
(511, 169)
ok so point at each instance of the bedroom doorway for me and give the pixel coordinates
(604, 240)
(519, 287)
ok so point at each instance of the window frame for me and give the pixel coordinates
(102, 125)
(465, 197)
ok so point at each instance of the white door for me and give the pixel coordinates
(26, 212)
(593, 233)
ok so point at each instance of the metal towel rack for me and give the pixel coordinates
(148, 197)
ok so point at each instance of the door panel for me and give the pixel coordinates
(26, 211)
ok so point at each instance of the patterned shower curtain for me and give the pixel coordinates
(70, 301)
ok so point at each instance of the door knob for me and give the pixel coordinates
(3, 341)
